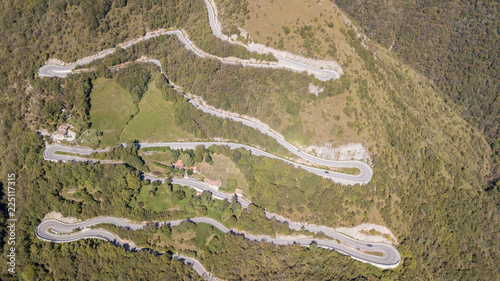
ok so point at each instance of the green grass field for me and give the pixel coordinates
(114, 113)
(155, 121)
(111, 109)
(225, 169)
(160, 157)
(158, 202)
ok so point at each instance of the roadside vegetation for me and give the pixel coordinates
(86, 27)
(221, 255)
(422, 173)
(155, 121)
(111, 109)
(430, 166)
(454, 43)
(102, 261)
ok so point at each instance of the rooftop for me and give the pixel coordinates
(179, 164)
(213, 182)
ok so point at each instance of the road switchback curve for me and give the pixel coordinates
(56, 231)
(50, 153)
(53, 70)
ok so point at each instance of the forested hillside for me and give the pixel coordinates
(32, 32)
(430, 166)
(399, 110)
(453, 43)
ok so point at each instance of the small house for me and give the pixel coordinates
(179, 164)
(213, 183)
(238, 192)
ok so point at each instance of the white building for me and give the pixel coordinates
(64, 133)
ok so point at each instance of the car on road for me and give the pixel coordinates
(326, 172)
(369, 245)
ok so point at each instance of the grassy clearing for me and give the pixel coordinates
(158, 157)
(111, 109)
(305, 28)
(154, 198)
(310, 29)
(155, 121)
(226, 170)
(114, 113)
(90, 138)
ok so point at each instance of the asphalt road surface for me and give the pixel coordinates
(321, 74)
(391, 255)
(50, 153)
(50, 70)
(363, 178)
(59, 232)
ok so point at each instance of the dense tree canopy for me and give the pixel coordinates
(428, 185)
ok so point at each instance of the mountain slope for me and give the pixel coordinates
(454, 43)
(430, 165)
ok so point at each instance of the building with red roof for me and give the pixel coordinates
(214, 183)
(179, 164)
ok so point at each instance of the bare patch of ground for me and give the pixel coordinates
(362, 232)
(313, 89)
(60, 217)
(351, 151)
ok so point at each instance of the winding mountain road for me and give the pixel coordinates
(319, 73)
(390, 259)
(364, 177)
(59, 232)
(50, 153)
(54, 70)
(390, 256)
